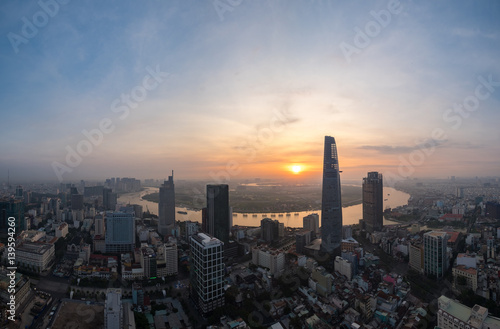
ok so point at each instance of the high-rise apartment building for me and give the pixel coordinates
(435, 256)
(99, 225)
(191, 228)
(269, 229)
(373, 202)
(76, 201)
(416, 257)
(207, 272)
(166, 206)
(19, 192)
(120, 232)
(171, 259)
(109, 199)
(344, 267)
(331, 202)
(273, 259)
(311, 223)
(302, 239)
(218, 221)
(148, 262)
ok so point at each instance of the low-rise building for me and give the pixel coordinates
(366, 304)
(452, 315)
(349, 244)
(468, 260)
(34, 256)
(113, 310)
(22, 287)
(465, 276)
(132, 272)
(323, 281)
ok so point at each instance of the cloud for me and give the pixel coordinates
(398, 149)
(471, 33)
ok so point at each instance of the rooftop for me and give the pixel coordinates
(34, 247)
(451, 216)
(463, 312)
(436, 234)
(206, 240)
(466, 269)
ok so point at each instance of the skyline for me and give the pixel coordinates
(250, 90)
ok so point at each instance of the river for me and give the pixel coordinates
(350, 215)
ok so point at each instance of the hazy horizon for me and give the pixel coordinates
(248, 90)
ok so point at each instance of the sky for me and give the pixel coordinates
(234, 89)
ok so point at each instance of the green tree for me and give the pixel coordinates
(141, 322)
(462, 281)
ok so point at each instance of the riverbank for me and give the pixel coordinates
(268, 199)
(350, 214)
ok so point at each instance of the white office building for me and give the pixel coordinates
(207, 272)
(272, 259)
(453, 315)
(435, 255)
(113, 311)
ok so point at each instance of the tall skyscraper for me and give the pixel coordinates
(120, 232)
(19, 192)
(218, 221)
(207, 272)
(109, 199)
(76, 201)
(11, 208)
(373, 202)
(435, 257)
(166, 206)
(331, 202)
(73, 190)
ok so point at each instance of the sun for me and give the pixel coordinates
(296, 169)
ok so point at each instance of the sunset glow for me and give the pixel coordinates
(296, 169)
(222, 104)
